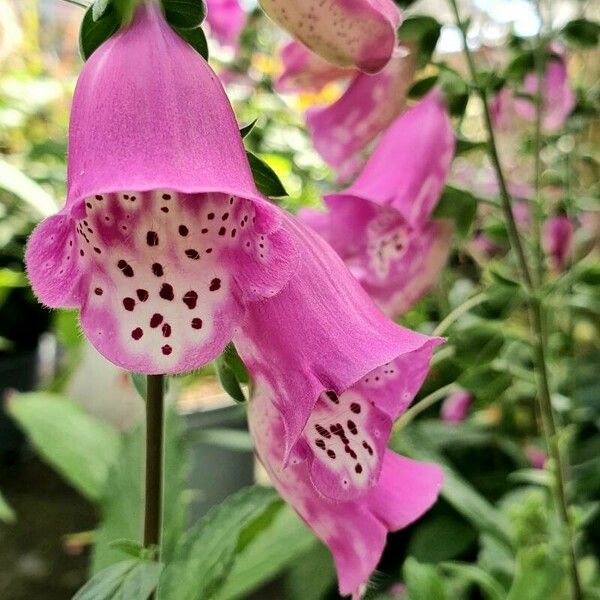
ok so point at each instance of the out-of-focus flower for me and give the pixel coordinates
(164, 238)
(226, 19)
(557, 238)
(342, 131)
(10, 30)
(381, 225)
(536, 457)
(321, 427)
(455, 407)
(347, 33)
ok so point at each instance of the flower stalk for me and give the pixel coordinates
(536, 312)
(154, 460)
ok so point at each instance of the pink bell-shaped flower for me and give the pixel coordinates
(321, 427)
(455, 407)
(381, 225)
(347, 33)
(164, 239)
(557, 238)
(226, 19)
(342, 131)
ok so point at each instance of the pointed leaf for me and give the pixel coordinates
(195, 38)
(7, 514)
(94, 33)
(246, 129)
(186, 14)
(265, 178)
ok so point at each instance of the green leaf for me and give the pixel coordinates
(246, 129)
(126, 580)
(312, 576)
(537, 575)
(80, 447)
(140, 383)
(195, 38)
(463, 145)
(99, 7)
(232, 439)
(455, 89)
(422, 581)
(423, 31)
(7, 514)
(185, 14)
(265, 178)
(459, 205)
(94, 33)
(458, 492)
(420, 87)
(281, 544)
(519, 66)
(441, 537)
(485, 382)
(582, 33)
(204, 556)
(132, 547)
(491, 589)
(228, 377)
(120, 505)
(477, 344)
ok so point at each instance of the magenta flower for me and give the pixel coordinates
(164, 238)
(226, 19)
(304, 70)
(381, 225)
(536, 457)
(347, 33)
(321, 428)
(557, 238)
(343, 130)
(455, 407)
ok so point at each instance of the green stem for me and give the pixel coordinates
(424, 404)
(536, 314)
(458, 312)
(154, 460)
(79, 3)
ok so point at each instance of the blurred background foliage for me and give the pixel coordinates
(71, 450)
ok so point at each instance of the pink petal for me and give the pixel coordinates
(226, 19)
(304, 70)
(347, 33)
(456, 407)
(324, 324)
(355, 530)
(410, 164)
(164, 238)
(342, 131)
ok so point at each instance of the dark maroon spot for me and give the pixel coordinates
(225, 217)
(157, 269)
(88, 204)
(233, 232)
(166, 196)
(190, 299)
(322, 431)
(210, 216)
(124, 227)
(142, 295)
(320, 444)
(85, 223)
(192, 253)
(166, 330)
(98, 197)
(132, 198)
(166, 349)
(70, 242)
(125, 268)
(152, 238)
(208, 250)
(137, 333)
(222, 231)
(98, 291)
(247, 244)
(355, 408)
(358, 468)
(368, 448)
(350, 451)
(215, 284)
(205, 230)
(81, 252)
(126, 196)
(97, 250)
(156, 320)
(129, 303)
(164, 209)
(197, 323)
(231, 200)
(331, 453)
(183, 230)
(352, 427)
(107, 218)
(166, 291)
(332, 396)
(261, 245)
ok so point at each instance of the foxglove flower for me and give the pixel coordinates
(305, 71)
(381, 225)
(455, 407)
(164, 238)
(536, 456)
(557, 238)
(347, 33)
(343, 130)
(321, 427)
(226, 19)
